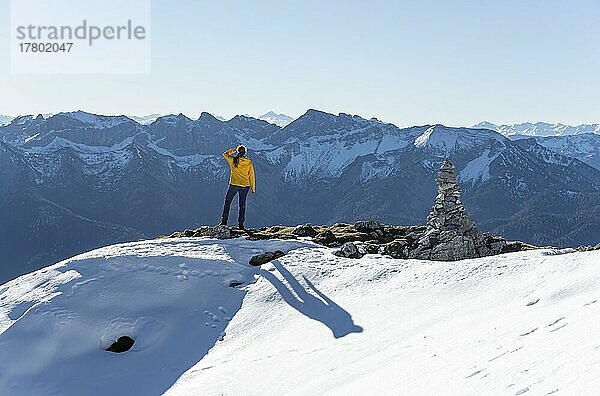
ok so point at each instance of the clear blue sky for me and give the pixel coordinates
(455, 62)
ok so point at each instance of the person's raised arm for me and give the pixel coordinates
(228, 153)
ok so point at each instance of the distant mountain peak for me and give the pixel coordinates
(207, 118)
(281, 120)
(94, 120)
(5, 119)
(146, 119)
(486, 125)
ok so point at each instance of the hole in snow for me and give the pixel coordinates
(123, 344)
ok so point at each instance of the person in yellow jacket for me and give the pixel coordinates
(240, 182)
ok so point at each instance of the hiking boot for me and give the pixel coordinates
(241, 227)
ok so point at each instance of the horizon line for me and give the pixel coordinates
(48, 115)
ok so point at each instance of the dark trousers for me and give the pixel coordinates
(243, 193)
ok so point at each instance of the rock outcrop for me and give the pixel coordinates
(449, 234)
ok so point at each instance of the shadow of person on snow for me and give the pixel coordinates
(320, 308)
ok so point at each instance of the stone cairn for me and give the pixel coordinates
(448, 213)
(450, 232)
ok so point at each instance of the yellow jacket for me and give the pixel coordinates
(243, 174)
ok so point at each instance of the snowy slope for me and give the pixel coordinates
(428, 328)
(312, 323)
(172, 296)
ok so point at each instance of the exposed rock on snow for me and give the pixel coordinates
(368, 226)
(304, 230)
(349, 250)
(266, 257)
(218, 231)
(588, 248)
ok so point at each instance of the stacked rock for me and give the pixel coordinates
(448, 213)
(450, 233)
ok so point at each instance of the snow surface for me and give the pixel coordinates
(310, 323)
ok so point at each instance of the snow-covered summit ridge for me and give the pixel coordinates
(520, 322)
(96, 121)
(442, 137)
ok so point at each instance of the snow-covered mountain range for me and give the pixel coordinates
(585, 146)
(75, 181)
(540, 129)
(206, 323)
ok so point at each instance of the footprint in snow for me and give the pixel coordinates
(532, 302)
(474, 373)
(521, 391)
(558, 328)
(528, 332)
(590, 303)
(556, 321)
